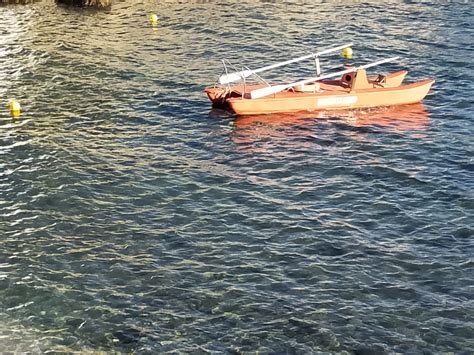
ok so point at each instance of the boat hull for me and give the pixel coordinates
(290, 101)
(220, 94)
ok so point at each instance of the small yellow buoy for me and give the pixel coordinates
(15, 108)
(154, 19)
(347, 52)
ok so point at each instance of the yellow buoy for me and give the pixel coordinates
(347, 52)
(154, 19)
(15, 108)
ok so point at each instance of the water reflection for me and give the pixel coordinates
(397, 118)
(282, 133)
(412, 119)
(135, 227)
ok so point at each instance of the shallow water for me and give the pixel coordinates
(135, 218)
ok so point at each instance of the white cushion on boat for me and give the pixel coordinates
(307, 87)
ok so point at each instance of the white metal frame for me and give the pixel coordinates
(228, 78)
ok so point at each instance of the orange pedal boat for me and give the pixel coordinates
(353, 89)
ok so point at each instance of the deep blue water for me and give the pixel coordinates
(133, 218)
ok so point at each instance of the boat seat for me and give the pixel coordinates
(378, 81)
(388, 80)
(347, 79)
(381, 78)
(359, 80)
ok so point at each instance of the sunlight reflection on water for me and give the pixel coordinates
(136, 218)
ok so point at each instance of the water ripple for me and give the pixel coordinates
(135, 218)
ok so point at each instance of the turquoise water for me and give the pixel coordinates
(134, 218)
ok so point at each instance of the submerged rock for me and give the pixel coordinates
(17, 1)
(91, 3)
(96, 3)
